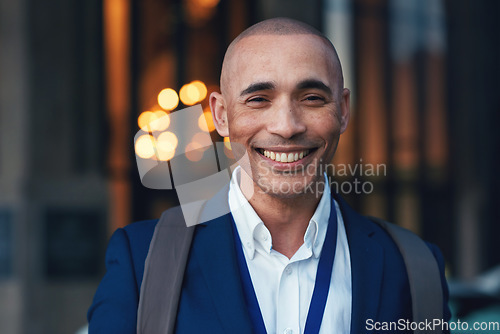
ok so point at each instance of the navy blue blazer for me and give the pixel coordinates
(212, 299)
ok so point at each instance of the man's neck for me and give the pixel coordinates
(286, 219)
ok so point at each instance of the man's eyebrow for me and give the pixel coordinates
(258, 86)
(313, 83)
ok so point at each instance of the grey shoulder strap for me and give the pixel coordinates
(423, 273)
(163, 274)
(166, 263)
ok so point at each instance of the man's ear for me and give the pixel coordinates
(345, 109)
(219, 113)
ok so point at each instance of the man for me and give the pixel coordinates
(291, 257)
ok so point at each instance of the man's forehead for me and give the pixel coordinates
(275, 50)
(264, 41)
(253, 52)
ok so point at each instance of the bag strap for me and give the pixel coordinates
(423, 274)
(163, 274)
(166, 262)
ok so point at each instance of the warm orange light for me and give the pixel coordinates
(166, 143)
(202, 89)
(162, 120)
(189, 94)
(168, 99)
(202, 138)
(144, 120)
(144, 146)
(227, 143)
(194, 151)
(206, 122)
(165, 156)
(208, 3)
(193, 92)
(153, 120)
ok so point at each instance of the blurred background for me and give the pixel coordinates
(75, 77)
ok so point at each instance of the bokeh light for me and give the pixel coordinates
(162, 120)
(168, 99)
(153, 120)
(202, 89)
(166, 143)
(227, 143)
(144, 146)
(203, 139)
(205, 121)
(193, 92)
(144, 120)
(194, 151)
(165, 155)
(189, 94)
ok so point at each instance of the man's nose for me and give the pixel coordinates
(286, 120)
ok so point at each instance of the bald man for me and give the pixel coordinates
(291, 256)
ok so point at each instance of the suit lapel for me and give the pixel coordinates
(214, 251)
(366, 267)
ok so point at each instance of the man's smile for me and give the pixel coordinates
(285, 156)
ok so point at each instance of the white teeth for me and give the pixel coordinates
(285, 157)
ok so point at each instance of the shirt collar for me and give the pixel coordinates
(315, 237)
(252, 231)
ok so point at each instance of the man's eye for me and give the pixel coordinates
(315, 98)
(257, 99)
(257, 102)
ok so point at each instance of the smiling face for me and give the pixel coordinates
(282, 101)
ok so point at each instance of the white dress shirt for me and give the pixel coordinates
(284, 286)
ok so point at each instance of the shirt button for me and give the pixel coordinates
(264, 236)
(288, 271)
(288, 331)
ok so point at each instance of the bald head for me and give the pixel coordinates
(278, 26)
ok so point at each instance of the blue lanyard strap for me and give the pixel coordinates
(323, 276)
(321, 285)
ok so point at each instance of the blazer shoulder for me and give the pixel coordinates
(139, 234)
(114, 306)
(141, 229)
